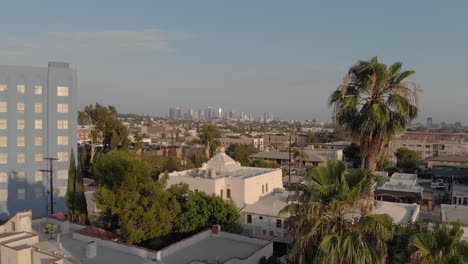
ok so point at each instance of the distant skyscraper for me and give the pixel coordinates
(429, 122)
(173, 113)
(190, 112)
(38, 119)
(178, 113)
(209, 113)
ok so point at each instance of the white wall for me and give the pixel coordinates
(253, 185)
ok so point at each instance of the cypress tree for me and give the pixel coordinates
(70, 195)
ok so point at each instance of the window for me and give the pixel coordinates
(263, 189)
(3, 177)
(264, 232)
(20, 158)
(38, 124)
(20, 176)
(195, 190)
(20, 107)
(266, 187)
(62, 174)
(3, 124)
(62, 91)
(39, 191)
(221, 194)
(249, 219)
(38, 175)
(38, 156)
(62, 190)
(3, 107)
(3, 141)
(62, 108)
(37, 90)
(62, 140)
(3, 158)
(20, 124)
(20, 141)
(228, 193)
(38, 107)
(21, 194)
(62, 124)
(272, 233)
(20, 88)
(260, 217)
(278, 223)
(38, 141)
(3, 87)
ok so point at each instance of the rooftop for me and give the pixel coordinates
(452, 213)
(401, 213)
(215, 249)
(449, 158)
(402, 182)
(270, 205)
(282, 155)
(460, 190)
(220, 166)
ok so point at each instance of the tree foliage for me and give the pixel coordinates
(373, 103)
(75, 197)
(200, 210)
(130, 200)
(105, 121)
(324, 224)
(406, 159)
(241, 152)
(209, 136)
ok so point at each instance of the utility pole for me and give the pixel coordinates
(290, 134)
(51, 181)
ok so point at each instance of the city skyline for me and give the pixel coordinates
(262, 56)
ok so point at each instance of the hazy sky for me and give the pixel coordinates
(283, 57)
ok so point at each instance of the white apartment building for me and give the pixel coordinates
(38, 119)
(225, 177)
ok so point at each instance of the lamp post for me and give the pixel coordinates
(51, 181)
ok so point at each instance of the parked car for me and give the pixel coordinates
(440, 186)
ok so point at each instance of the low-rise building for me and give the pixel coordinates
(231, 140)
(225, 177)
(401, 187)
(459, 194)
(447, 160)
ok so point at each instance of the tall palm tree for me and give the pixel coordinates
(327, 223)
(442, 245)
(373, 103)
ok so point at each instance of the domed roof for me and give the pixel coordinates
(222, 163)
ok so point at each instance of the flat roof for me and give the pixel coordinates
(460, 189)
(212, 249)
(452, 213)
(400, 213)
(74, 251)
(449, 158)
(270, 205)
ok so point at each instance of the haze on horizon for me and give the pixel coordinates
(253, 56)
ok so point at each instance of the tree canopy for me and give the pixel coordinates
(209, 136)
(241, 152)
(406, 159)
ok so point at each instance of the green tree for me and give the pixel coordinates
(442, 245)
(71, 186)
(209, 137)
(300, 155)
(261, 163)
(406, 159)
(200, 211)
(373, 103)
(398, 252)
(352, 155)
(322, 220)
(130, 200)
(241, 152)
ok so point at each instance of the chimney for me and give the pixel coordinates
(215, 229)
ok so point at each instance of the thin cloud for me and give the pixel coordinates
(71, 45)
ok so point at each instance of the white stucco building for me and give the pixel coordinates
(225, 177)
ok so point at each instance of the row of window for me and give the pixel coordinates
(279, 222)
(38, 192)
(61, 124)
(20, 157)
(20, 108)
(21, 89)
(20, 176)
(264, 188)
(20, 141)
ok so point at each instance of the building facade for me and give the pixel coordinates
(38, 119)
(224, 177)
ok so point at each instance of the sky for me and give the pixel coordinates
(255, 56)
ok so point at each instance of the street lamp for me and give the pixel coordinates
(51, 171)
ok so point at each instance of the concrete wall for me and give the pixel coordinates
(20, 222)
(39, 257)
(253, 185)
(267, 223)
(132, 250)
(26, 240)
(171, 249)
